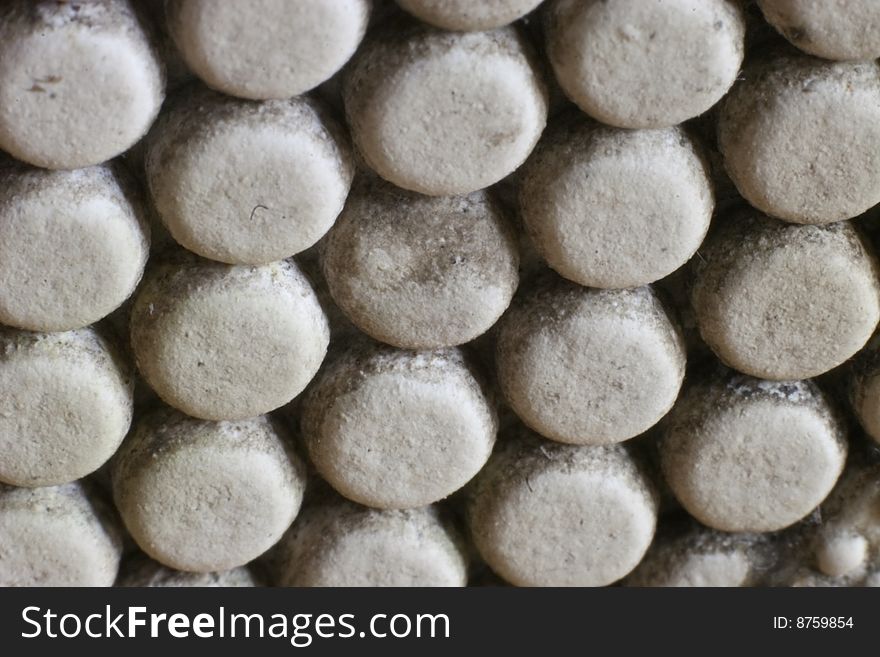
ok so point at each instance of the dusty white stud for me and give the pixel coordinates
(206, 496)
(56, 536)
(224, 342)
(783, 301)
(747, 455)
(262, 49)
(835, 31)
(635, 64)
(588, 366)
(244, 182)
(615, 208)
(73, 245)
(398, 429)
(444, 113)
(544, 514)
(65, 408)
(80, 82)
(420, 272)
(801, 137)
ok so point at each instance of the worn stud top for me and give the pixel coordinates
(244, 182)
(398, 429)
(262, 49)
(782, 301)
(637, 64)
(80, 82)
(586, 366)
(748, 455)
(543, 514)
(66, 405)
(444, 113)
(73, 245)
(206, 496)
(615, 208)
(56, 536)
(834, 30)
(420, 272)
(224, 342)
(801, 137)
